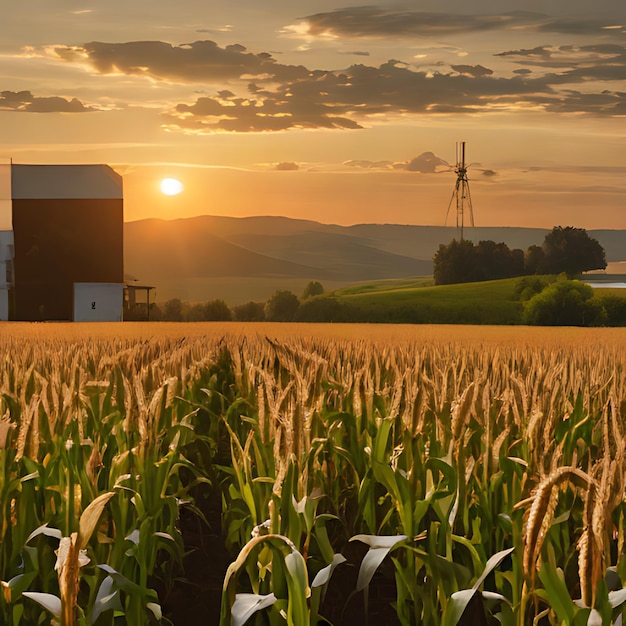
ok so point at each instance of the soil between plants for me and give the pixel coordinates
(194, 599)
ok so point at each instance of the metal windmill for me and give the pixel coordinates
(461, 194)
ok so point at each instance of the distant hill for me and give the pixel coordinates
(242, 259)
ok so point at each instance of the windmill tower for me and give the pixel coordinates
(461, 194)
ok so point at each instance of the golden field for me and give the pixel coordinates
(481, 469)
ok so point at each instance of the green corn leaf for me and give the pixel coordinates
(155, 609)
(298, 585)
(47, 600)
(44, 530)
(323, 576)
(247, 604)
(107, 599)
(492, 563)
(617, 598)
(380, 546)
(556, 593)
(456, 606)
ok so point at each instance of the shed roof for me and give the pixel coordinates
(30, 182)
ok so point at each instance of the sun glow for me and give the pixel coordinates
(171, 186)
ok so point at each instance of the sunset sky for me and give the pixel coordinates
(337, 112)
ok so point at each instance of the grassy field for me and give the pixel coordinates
(448, 474)
(417, 301)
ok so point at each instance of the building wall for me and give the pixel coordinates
(98, 302)
(68, 228)
(4, 304)
(6, 272)
(5, 194)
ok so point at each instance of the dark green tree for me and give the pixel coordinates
(615, 307)
(534, 260)
(249, 312)
(462, 262)
(314, 288)
(217, 311)
(281, 307)
(571, 250)
(454, 263)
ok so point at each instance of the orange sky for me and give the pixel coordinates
(326, 111)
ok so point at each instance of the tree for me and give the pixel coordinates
(571, 250)
(462, 262)
(314, 288)
(454, 263)
(615, 307)
(281, 307)
(564, 303)
(534, 260)
(249, 312)
(217, 311)
(172, 310)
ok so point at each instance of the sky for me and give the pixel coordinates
(328, 110)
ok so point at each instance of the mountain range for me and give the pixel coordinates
(242, 259)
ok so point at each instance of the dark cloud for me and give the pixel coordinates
(200, 61)
(287, 166)
(575, 63)
(425, 163)
(356, 53)
(252, 92)
(348, 98)
(25, 102)
(376, 21)
(472, 70)
(488, 173)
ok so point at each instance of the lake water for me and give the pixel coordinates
(603, 285)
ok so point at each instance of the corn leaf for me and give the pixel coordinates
(47, 600)
(90, 517)
(323, 576)
(247, 604)
(107, 599)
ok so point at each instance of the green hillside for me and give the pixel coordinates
(418, 301)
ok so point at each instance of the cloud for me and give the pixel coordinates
(364, 164)
(378, 21)
(575, 63)
(200, 61)
(25, 102)
(244, 91)
(425, 163)
(350, 98)
(472, 70)
(287, 166)
(356, 53)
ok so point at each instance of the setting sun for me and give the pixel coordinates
(171, 186)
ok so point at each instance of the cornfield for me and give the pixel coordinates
(463, 476)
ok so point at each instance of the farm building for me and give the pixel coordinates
(64, 259)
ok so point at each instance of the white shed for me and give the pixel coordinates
(98, 302)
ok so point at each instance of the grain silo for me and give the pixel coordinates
(68, 242)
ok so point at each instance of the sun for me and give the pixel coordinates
(171, 186)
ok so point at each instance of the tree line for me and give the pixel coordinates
(282, 306)
(565, 250)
